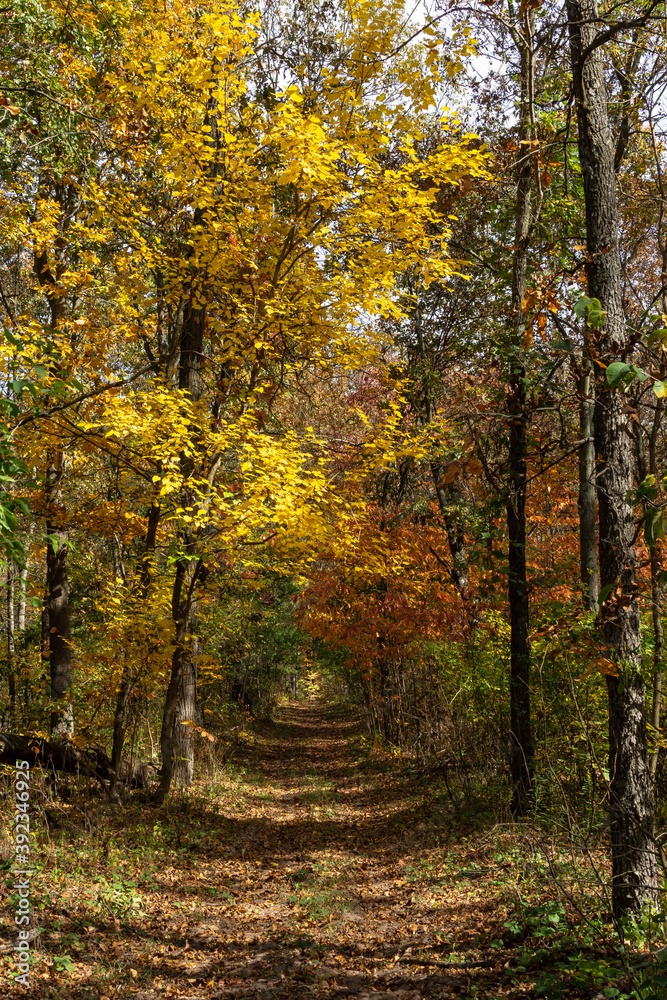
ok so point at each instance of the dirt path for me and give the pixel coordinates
(336, 882)
(309, 867)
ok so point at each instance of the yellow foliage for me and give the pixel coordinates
(284, 223)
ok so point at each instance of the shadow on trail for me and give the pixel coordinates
(313, 872)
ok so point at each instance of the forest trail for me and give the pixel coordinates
(334, 879)
(310, 866)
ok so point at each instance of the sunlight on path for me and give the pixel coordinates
(308, 866)
(329, 888)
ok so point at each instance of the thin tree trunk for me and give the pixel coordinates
(45, 639)
(49, 268)
(21, 642)
(174, 742)
(127, 680)
(185, 718)
(10, 711)
(656, 585)
(633, 849)
(60, 659)
(20, 618)
(521, 746)
(587, 522)
(658, 652)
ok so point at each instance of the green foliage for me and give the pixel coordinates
(586, 956)
(592, 310)
(11, 468)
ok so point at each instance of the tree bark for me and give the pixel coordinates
(521, 746)
(657, 586)
(658, 652)
(20, 618)
(655, 560)
(60, 660)
(186, 716)
(175, 741)
(49, 273)
(633, 849)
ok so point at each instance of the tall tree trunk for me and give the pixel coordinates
(656, 585)
(10, 710)
(182, 688)
(192, 342)
(186, 715)
(60, 659)
(45, 638)
(658, 653)
(49, 270)
(521, 746)
(587, 522)
(174, 743)
(127, 678)
(20, 617)
(21, 641)
(633, 849)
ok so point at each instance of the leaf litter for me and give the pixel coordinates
(306, 870)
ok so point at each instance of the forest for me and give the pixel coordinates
(333, 499)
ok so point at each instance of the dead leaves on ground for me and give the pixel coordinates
(309, 873)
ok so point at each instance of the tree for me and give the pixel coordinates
(634, 863)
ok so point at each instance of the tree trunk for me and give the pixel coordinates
(185, 718)
(634, 868)
(175, 741)
(167, 748)
(658, 651)
(10, 710)
(60, 660)
(49, 268)
(657, 585)
(45, 639)
(587, 527)
(20, 618)
(54, 756)
(21, 641)
(192, 341)
(521, 746)
(127, 679)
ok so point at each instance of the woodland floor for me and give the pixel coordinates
(312, 869)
